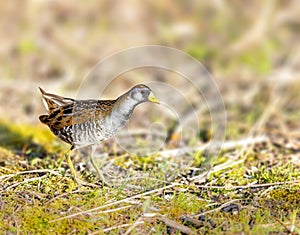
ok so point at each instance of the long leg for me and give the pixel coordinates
(73, 172)
(71, 166)
(98, 171)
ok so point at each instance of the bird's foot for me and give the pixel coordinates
(84, 183)
(105, 183)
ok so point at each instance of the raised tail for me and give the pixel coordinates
(52, 101)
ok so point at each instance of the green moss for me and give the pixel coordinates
(16, 136)
(279, 173)
(37, 219)
(283, 200)
(32, 205)
(184, 203)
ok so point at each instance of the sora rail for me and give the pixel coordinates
(88, 122)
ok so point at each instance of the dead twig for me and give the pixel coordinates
(136, 223)
(111, 210)
(30, 172)
(217, 209)
(286, 227)
(25, 181)
(225, 145)
(182, 228)
(203, 176)
(115, 227)
(116, 202)
(247, 186)
(63, 195)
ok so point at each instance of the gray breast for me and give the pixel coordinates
(90, 132)
(95, 131)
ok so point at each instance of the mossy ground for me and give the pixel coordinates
(32, 202)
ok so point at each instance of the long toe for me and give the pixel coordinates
(86, 184)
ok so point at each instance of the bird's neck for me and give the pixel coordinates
(121, 113)
(125, 107)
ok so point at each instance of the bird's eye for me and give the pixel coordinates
(143, 92)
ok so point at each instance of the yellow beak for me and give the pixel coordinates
(152, 98)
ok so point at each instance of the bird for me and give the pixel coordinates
(88, 122)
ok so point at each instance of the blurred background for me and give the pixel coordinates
(251, 49)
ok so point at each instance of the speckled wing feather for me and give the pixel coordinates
(77, 112)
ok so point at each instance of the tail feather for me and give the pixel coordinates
(44, 119)
(52, 101)
(42, 91)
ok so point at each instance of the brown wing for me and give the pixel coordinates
(77, 112)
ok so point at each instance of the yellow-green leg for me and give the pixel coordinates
(98, 171)
(73, 172)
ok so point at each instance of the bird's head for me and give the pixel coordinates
(141, 93)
